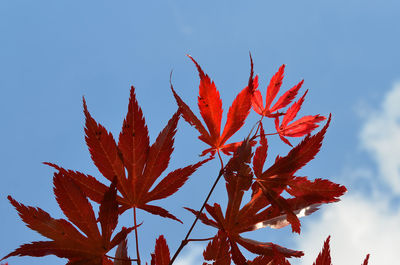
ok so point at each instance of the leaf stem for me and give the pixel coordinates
(220, 160)
(185, 241)
(136, 236)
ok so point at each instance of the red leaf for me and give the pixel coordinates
(104, 151)
(274, 86)
(209, 102)
(366, 260)
(301, 127)
(291, 113)
(158, 211)
(238, 112)
(324, 257)
(189, 116)
(161, 254)
(261, 260)
(298, 156)
(236, 254)
(262, 248)
(121, 254)
(261, 153)
(281, 203)
(108, 213)
(134, 139)
(322, 190)
(203, 217)
(88, 184)
(173, 181)
(272, 91)
(210, 107)
(67, 241)
(143, 163)
(238, 176)
(218, 250)
(287, 97)
(159, 156)
(75, 205)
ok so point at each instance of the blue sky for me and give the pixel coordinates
(52, 53)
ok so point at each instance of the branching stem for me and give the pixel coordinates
(185, 241)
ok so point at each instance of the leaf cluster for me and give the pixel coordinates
(133, 167)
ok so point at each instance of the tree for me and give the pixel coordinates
(133, 166)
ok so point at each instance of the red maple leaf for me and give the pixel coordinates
(324, 257)
(161, 254)
(210, 106)
(308, 195)
(239, 178)
(143, 162)
(217, 250)
(267, 206)
(298, 128)
(121, 254)
(66, 240)
(272, 91)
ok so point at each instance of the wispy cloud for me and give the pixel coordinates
(365, 223)
(381, 138)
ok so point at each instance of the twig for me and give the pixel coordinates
(185, 241)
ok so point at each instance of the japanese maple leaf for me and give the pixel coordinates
(298, 128)
(217, 250)
(210, 106)
(267, 207)
(66, 240)
(161, 254)
(239, 178)
(121, 254)
(308, 195)
(144, 163)
(324, 257)
(272, 91)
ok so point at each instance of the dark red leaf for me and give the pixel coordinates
(366, 260)
(67, 241)
(173, 181)
(210, 106)
(261, 153)
(134, 140)
(324, 257)
(108, 213)
(161, 254)
(121, 254)
(218, 250)
(104, 151)
(157, 210)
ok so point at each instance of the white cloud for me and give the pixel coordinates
(365, 223)
(358, 225)
(380, 136)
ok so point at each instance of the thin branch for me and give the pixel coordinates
(185, 241)
(220, 160)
